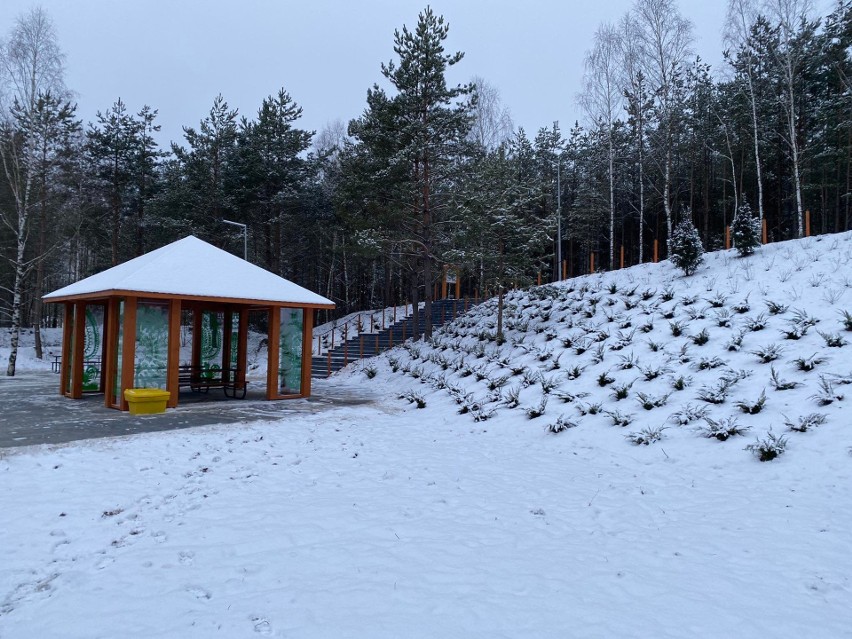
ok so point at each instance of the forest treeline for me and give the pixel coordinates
(371, 212)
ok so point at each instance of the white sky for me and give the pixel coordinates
(177, 55)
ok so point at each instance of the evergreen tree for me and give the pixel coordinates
(685, 249)
(745, 230)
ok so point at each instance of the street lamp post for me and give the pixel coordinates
(245, 236)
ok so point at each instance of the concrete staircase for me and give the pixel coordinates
(371, 344)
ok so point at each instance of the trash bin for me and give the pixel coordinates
(146, 401)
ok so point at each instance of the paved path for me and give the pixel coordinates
(32, 411)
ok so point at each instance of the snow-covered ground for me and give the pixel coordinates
(404, 522)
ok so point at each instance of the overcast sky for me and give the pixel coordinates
(176, 55)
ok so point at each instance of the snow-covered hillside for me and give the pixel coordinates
(473, 517)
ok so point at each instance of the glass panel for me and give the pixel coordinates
(152, 345)
(116, 362)
(290, 352)
(212, 332)
(92, 348)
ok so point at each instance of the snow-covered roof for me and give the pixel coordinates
(192, 267)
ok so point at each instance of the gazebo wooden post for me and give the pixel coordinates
(104, 348)
(78, 348)
(110, 345)
(128, 350)
(242, 348)
(227, 330)
(307, 340)
(173, 360)
(272, 340)
(65, 359)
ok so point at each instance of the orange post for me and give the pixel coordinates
(444, 283)
(538, 279)
(656, 251)
(591, 262)
(727, 237)
(763, 230)
(621, 250)
(564, 270)
(807, 223)
(361, 349)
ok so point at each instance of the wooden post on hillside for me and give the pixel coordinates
(807, 223)
(727, 237)
(621, 251)
(763, 230)
(656, 251)
(592, 262)
(564, 269)
(444, 282)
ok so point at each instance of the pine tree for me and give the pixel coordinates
(685, 249)
(745, 230)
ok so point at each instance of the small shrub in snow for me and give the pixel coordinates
(742, 307)
(745, 230)
(723, 318)
(668, 294)
(370, 371)
(599, 353)
(481, 413)
(538, 410)
(723, 429)
(756, 323)
(736, 342)
(776, 308)
(707, 363)
(528, 378)
(570, 397)
(700, 338)
(621, 391)
(717, 301)
(561, 424)
(768, 353)
(826, 393)
(694, 313)
(647, 294)
(626, 362)
(716, 394)
(650, 373)
(646, 436)
(801, 317)
(393, 362)
(846, 320)
(769, 447)
(654, 346)
(805, 422)
(807, 364)
(589, 409)
(781, 384)
(732, 377)
(648, 326)
(511, 397)
(548, 383)
(683, 355)
(605, 379)
(668, 313)
(414, 398)
(794, 332)
(752, 408)
(677, 328)
(688, 300)
(497, 382)
(619, 419)
(649, 402)
(685, 249)
(832, 340)
(573, 372)
(680, 382)
(688, 414)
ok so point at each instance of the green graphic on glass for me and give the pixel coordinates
(152, 341)
(211, 344)
(92, 348)
(290, 351)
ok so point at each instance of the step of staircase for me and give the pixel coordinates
(364, 346)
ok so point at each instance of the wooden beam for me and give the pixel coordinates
(307, 340)
(110, 347)
(173, 360)
(67, 339)
(128, 350)
(212, 300)
(79, 344)
(272, 339)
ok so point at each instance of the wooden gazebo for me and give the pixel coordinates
(123, 326)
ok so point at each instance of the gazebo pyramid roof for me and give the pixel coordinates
(192, 268)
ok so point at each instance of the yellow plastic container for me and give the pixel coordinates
(146, 401)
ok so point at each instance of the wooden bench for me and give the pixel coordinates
(201, 381)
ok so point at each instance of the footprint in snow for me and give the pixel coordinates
(202, 594)
(262, 625)
(186, 557)
(159, 536)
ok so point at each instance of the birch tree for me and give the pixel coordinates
(664, 37)
(602, 101)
